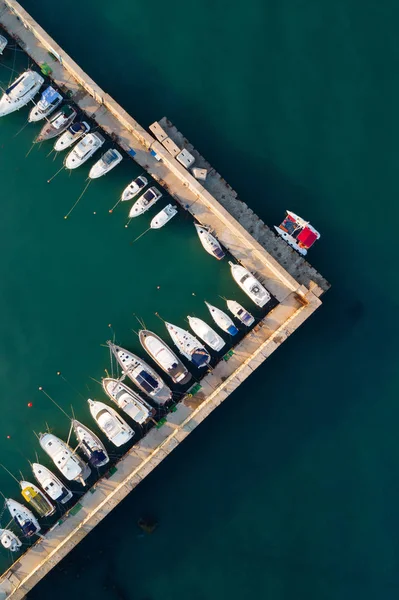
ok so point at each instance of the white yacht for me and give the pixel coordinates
(57, 124)
(90, 444)
(165, 358)
(127, 400)
(209, 242)
(47, 104)
(111, 424)
(222, 320)
(67, 462)
(249, 284)
(23, 517)
(146, 200)
(88, 145)
(146, 379)
(3, 44)
(163, 217)
(36, 499)
(206, 333)
(134, 188)
(106, 163)
(297, 232)
(9, 540)
(71, 135)
(53, 487)
(22, 91)
(189, 346)
(240, 313)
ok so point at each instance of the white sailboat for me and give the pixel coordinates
(144, 203)
(47, 104)
(206, 333)
(3, 44)
(165, 358)
(111, 424)
(209, 242)
(249, 284)
(134, 188)
(88, 145)
(57, 124)
(222, 320)
(9, 540)
(142, 375)
(71, 135)
(22, 91)
(163, 217)
(127, 400)
(106, 163)
(67, 462)
(36, 499)
(189, 346)
(53, 487)
(240, 313)
(90, 444)
(23, 517)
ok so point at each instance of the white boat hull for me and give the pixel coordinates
(250, 285)
(145, 202)
(240, 313)
(88, 145)
(20, 94)
(3, 44)
(128, 401)
(63, 457)
(99, 168)
(68, 138)
(164, 357)
(8, 539)
(91, 445)
(189, 346)
(134, 188)
(206, 334)
(222, 320)
(163, 217)
(23, 517)
(53, 487)
(111, 424)
(209, 242)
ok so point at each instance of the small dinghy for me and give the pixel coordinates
(3, 44)
(189, 346)
(111, 424)
(206, 333)
(107, 162)
(47, 104)
(53, 487)
(19, 93)
(163, 217)
(88, 145)
(222, 320)
(71, 135)
(128, 401)
(239, 311)
(144, 203)
(36, 499)
(134, 188)
(64, 458)
(57, 124)
(249, 284)
(209, 242)
(142, 375)
(23, 517)
(165, 358)
(90, 444)
(9, 540)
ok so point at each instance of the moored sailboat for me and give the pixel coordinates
(36, 499)
(206, 333)
(165, 358)
(222, 320)
(90, 445)
(111, 424)
(50, 483)
(64, 458)
(128, 401)
(209, 242)
(57, 124)
(240, 313)
(189, 346)
(23, 518)
(249, 284)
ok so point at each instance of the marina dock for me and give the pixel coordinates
(294, 283)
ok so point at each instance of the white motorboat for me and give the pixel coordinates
(64, 458)
(111, 424)
(47, 104)
(298, 233)
(88, 145)
(3, 44)
(71, 135)
(189, 346)
(134, 188)
(90, 444)
(163, 217)
(36, 499)
(249, 284)
(209, 242)
(165, 358)
(53, 487)
(23, 517)
(142, 375)
(239, 311)
(144, 203)
(206, 333)
(57, 124)
(222, 320)
(9, 540)
(128, 401)
(107, 162)
(22, 91)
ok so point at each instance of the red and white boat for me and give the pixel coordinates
(297, 233)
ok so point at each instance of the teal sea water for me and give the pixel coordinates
(290, 489)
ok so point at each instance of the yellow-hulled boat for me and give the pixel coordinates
(36, 499)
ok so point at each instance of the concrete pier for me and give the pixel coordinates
(296, 286)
